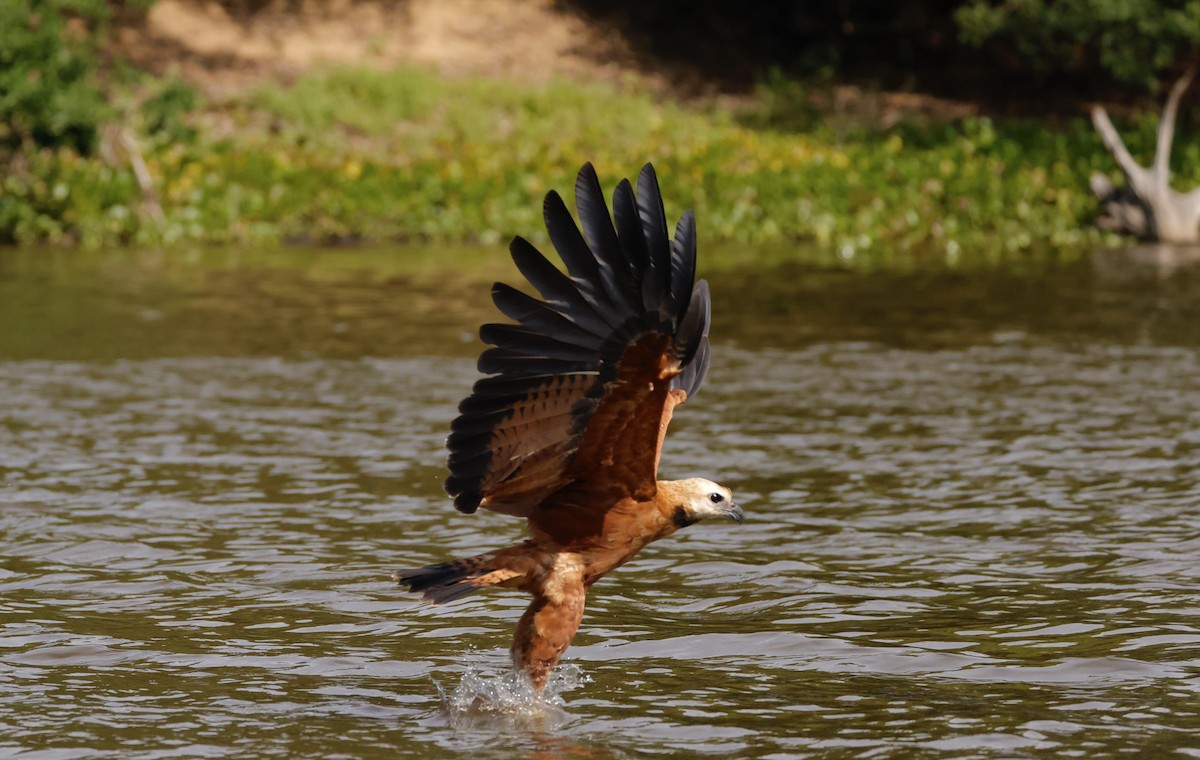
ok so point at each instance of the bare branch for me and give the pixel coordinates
(1137, 176)
(1156, 211)
(142, 173)
(1166, 126)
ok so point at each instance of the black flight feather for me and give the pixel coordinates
(693, 374)
(683, 262)
(505, 360)
(502, 391)
(533, 343)
(536, 315)
(579, 259)
(557, 289)
(694, 325)
(654, 230)
(629, 233)
(602, 239)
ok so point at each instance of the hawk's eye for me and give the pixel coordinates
(716, 498)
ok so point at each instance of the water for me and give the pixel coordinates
(971, 519)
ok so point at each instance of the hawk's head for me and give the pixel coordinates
(697, 499)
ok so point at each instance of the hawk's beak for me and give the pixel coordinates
(735, 513)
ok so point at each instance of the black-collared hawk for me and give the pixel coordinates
(567, 428)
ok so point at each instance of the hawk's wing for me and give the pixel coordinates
(580, 390)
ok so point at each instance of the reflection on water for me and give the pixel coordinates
(970, 498)
(348, 304)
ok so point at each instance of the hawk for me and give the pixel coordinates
(567, 427)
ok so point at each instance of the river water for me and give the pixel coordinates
(971, 496)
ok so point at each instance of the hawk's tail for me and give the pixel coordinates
(448, 581)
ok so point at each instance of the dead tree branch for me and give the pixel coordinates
(1148, 208)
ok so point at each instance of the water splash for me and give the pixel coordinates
(485, 697)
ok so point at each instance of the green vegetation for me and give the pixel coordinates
(1134, 40)
(363, 155)
(48, 93)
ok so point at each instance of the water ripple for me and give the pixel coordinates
(986, 551)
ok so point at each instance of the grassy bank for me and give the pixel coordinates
(363, 155)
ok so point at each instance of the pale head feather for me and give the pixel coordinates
(701, 498)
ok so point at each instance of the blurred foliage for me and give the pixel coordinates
(64, 178)
(48, 89)
(968, 49)
(349, 154)
(1134, 40)
(165, 107)
(782, 102)
(407, 155)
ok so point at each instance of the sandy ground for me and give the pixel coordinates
(224, 46)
